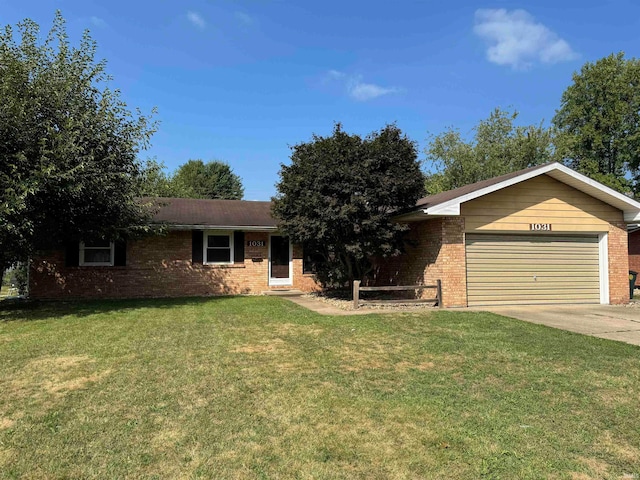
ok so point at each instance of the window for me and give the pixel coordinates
(98, 253)
(218, 247)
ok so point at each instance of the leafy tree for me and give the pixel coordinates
(155, 182)
(338, 195)
(599, 121)
(215, 179)
(498, 147)
(68, 167)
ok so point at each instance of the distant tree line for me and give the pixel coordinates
(596, 131)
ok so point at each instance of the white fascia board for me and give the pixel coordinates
(447, 208)
(223, 227)
(633, 204)
(453, 205)
(631, 207)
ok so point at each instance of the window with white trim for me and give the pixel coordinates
(97, 253)
(218, 248)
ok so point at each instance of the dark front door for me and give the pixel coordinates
(280, 258)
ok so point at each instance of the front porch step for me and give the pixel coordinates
(284, 292)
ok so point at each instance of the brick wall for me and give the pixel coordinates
(618, 263)
(160, 267)
(634, 252)
(435, 250)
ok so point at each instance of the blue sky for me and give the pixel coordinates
(241, 81)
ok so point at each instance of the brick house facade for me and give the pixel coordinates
(215, 247)
(162, 266)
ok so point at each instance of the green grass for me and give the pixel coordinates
(7, 291)
(261, 388)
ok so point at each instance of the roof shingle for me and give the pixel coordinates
(439, 198)
(206, 212)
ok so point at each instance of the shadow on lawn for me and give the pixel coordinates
(25, 310)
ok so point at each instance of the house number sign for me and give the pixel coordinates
(540, 227)
(255, 243)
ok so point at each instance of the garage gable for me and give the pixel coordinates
(449, 203)
(541, 201)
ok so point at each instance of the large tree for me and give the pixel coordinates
(157, 182)
(339, 193)
(214, 179)
(599, 121)
(69, 145)
(498, 147)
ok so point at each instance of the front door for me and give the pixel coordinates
(279, 260)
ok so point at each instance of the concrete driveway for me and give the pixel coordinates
(614, 322)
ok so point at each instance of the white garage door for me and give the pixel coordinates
(530, 269)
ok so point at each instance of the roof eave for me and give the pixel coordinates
(248, 228)
(628, 206)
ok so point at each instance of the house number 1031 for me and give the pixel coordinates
(255, 243)
(540, 227)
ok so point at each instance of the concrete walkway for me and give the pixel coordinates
(614, 322)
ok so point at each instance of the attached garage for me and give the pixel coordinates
(543, 235)
(532, 269)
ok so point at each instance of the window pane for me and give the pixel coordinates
(218, 255)
(102, 255)
(220, 241)
(98, 243)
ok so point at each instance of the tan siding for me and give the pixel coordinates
(530, 269)
(539, 200)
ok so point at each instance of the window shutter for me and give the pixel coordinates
(238, 247)
(72, 254)
(196, 246)
(120, 253)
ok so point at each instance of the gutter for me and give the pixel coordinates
(251, 228)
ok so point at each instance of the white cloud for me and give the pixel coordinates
(359, 90)
(335, 74)
(97, 22)
(362, 92)
(245, 18)
(516, 39)
(196, 19)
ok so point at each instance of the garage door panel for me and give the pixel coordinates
(518, 287)
(546, 293)
(532, 302)
(533, 292)
(493, 239)
(501, 254)
(525, 269)
(530, 270)
(569, 260)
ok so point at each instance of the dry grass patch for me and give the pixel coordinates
(6, 423)
(597, 469)
(618, 448)
(293, 329)
(404, 366)
(50, 377)
(276, 345)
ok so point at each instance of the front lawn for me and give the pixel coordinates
(258, 387)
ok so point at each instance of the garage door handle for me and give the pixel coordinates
(535, 278)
